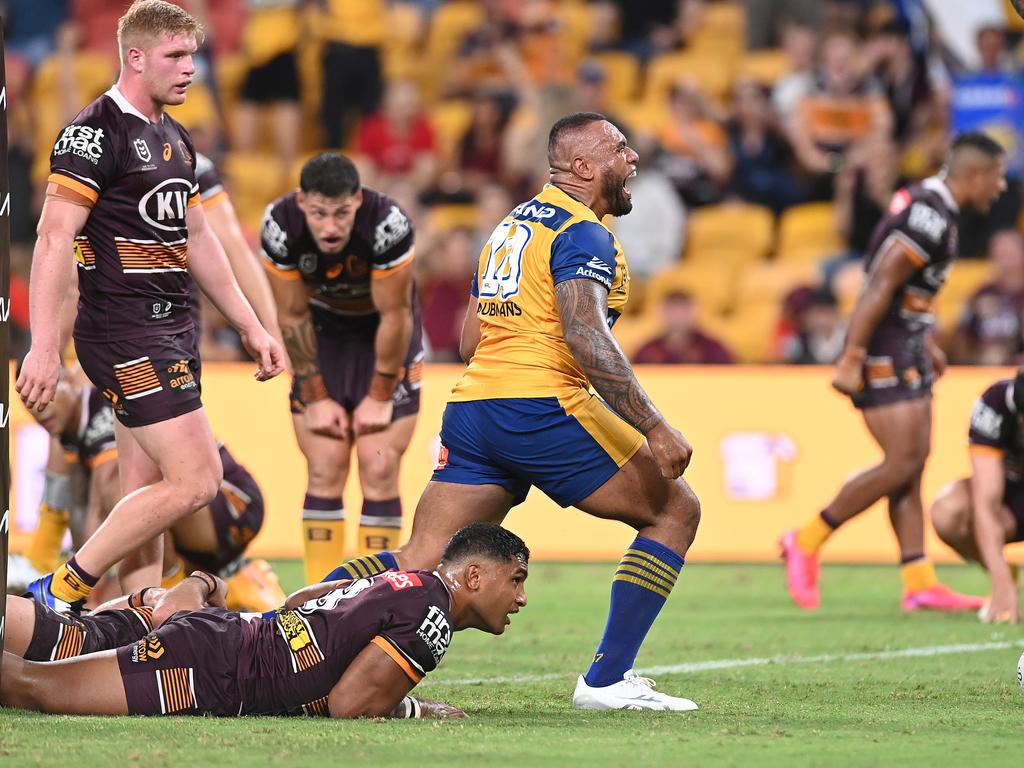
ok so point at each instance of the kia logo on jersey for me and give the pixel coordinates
(165, 205)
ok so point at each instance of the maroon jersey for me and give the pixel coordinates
(996, 424)
(922, 220)
(288, 664)
(132, 252)
(91, 440)
(992, 321)
(57, 636)
(339, 283)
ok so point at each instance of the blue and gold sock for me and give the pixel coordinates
(363, 567)
(642, 583)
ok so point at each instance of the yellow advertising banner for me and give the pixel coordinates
(771, 447)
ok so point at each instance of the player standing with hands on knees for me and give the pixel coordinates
(889, 364)
(549, 284)
(122, 197)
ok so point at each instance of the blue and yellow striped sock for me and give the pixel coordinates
(642, 583)
(363, 567)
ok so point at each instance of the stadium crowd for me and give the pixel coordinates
(772, 135)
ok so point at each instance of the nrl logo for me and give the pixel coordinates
(142, 150)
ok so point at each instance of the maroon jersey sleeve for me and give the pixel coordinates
(417, 630)
(274, 240)
(919, 228)
(392, 237)
(992, 421)
(86, 156)
(211, 187)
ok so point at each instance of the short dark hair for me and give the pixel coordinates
(487, 540)
(979, 141)
(570, 123)
(329, 174)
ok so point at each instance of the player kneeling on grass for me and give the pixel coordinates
(979, 515)
(342, 649)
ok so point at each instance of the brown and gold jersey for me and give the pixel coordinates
(138, 177)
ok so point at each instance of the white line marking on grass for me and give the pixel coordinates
(704, 666)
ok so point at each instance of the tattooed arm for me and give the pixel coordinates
(583, 308)
(323, 415)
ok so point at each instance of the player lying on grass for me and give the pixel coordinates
(341, 649)
(979, 515)
(213, 538)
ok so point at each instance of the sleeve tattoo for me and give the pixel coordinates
(300, 341)
(583, 307)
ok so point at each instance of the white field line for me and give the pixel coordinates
(704, 666)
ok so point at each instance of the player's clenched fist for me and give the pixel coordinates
(671, 450)
(37, 381)
(849, 375)
(372, 415)
(328, 418)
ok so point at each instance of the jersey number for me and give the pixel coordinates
(504, 268)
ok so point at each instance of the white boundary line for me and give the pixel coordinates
(704, 666)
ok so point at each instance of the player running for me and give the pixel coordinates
(339, 256)
(888, 366)
(343, 649)
(979, 515)
(122, 197)
(550, 283)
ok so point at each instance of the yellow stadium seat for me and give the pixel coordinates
(710, 70)
(772, 281)
(401, 56)
(198, 112)
(623, 73)
(749, 332)
(641, 116)
(254, 179)
(712, 285)
(449, 25)
(453, 216)
(632, 332)
(722, 28)
(740, 231)
(809, 232)
(764, 67)
(450, 119)
(966, 277)
(578, 21)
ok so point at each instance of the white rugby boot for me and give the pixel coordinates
(632, 692)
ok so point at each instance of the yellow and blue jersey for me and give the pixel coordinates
(522, 350)
(523, 415)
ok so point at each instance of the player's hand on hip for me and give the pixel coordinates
(671, 450)
(266, 350)
(37, 382)
(372, 415)
(431, 708)
(1003, 607)
(328, 418)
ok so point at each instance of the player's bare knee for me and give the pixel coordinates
(378, 471)
(324, 478)
(951, 520)
(18, 689)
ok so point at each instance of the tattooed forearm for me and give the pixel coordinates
(300, 342)
(583, 307)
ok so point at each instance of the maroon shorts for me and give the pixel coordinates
(237, 511)
(146, 380)
(897, 367)
(347, 361)
(186, 667)
(59, 636)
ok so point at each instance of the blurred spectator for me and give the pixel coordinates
(443, 283)
(648, 28)
(991, 99)
(353, 32)
(990, 329)
(817, 330)
(843, 115)
(480, 151)
(697, 161)
(270, 42)
(653, 233)
(862, 196)
(904, 78)
(493, 203)
(30, 27)
(399, 141)
(799, 43)
(682, 340)
(591, 91)
(765, 19)
(761, 156)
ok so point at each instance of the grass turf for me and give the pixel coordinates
(934, 710)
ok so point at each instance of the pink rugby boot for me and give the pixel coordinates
(801, 572)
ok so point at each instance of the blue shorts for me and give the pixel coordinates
(566, 446)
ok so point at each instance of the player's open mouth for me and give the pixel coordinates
(625, 189)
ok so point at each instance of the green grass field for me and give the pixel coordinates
(776, 687)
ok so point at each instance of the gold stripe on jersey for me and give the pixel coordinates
(238, 500)
(145, 615)
(137, 378)
(70, 640)
(276, 271)
(74, 185)
(176, 687)
(396, 656)
(84, 253)
(151, 256)
(317, 708)
(305, 651)
(215, 199)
